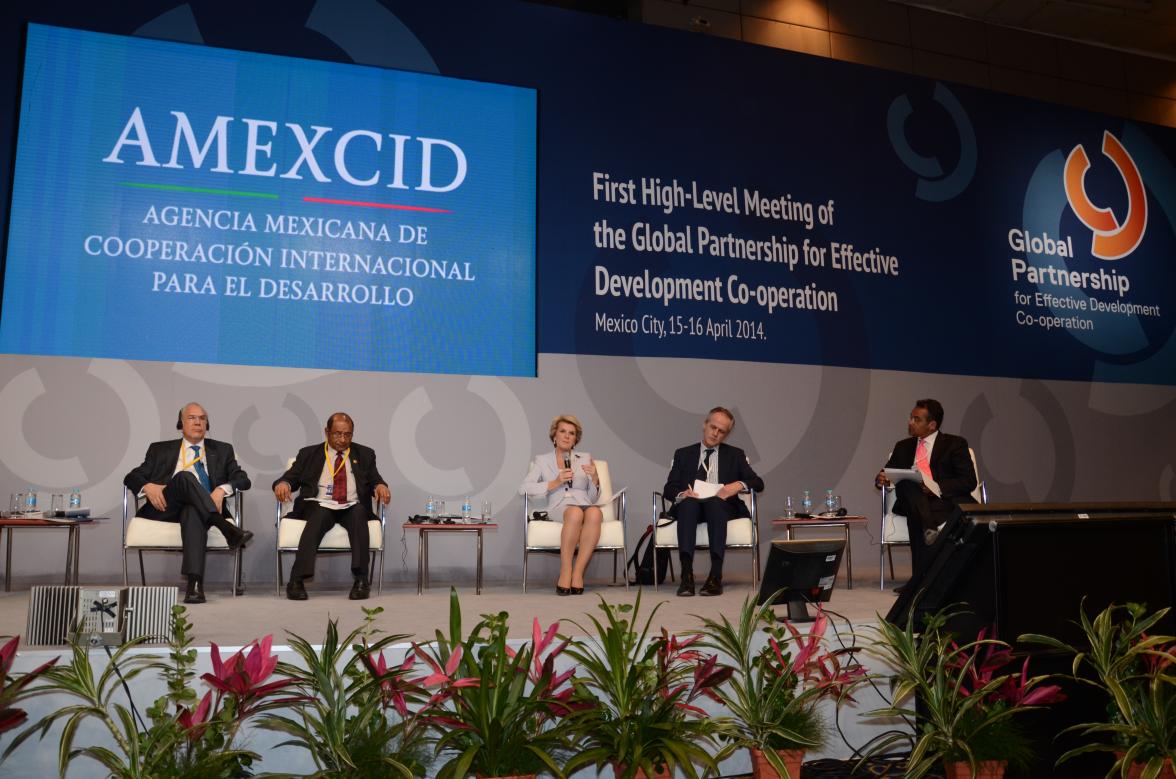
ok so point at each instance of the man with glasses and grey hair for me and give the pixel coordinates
(717, 463)
(187, 481)
(336, 481)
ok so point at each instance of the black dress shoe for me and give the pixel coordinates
(712, 586)
(563, 590)
(576, 590)
(195, 593)
(296, 590)
(359, 590)
(240, 539)
(686, 588)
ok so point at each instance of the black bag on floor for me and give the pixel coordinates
(641, 563)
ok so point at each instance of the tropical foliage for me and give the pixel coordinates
(968, 695)
(1137, 671)
(776, 685)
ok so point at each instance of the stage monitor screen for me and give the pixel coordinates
(801, 572)
(186, 203)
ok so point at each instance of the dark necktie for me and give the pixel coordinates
(704, 468)
(201, 471)
(339, 491)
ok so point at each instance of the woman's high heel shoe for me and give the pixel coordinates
(576, 590)
(563, 590)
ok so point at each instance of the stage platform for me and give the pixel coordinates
(230, 621)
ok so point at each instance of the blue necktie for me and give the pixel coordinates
(201, 472)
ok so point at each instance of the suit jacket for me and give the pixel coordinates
(951, 465)
(160, 464)
(544, 468)
(303, 476)
(733, 466)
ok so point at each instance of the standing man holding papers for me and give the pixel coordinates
(336, 481)
(720, 472)
(947, 477)
(187, 481)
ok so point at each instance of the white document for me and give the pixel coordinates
(605, 501)
(912, 474)
(704, 489)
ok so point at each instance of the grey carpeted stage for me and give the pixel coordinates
(230, 621)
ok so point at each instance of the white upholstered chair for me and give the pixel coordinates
(153, 535)
(742, 533)
(543, 535)
(894, 526)
(289, 532)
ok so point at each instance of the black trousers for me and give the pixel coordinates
(319, 521)
(923, 511)
(189, 504)
(715, 513)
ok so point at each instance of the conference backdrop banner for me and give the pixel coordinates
(178, 202)
(705, 198)
(708, 198)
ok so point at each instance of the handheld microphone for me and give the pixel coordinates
(567, 466)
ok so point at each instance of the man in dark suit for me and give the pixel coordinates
(948, 477)
(187, 481)
(720, 464)
(335, 490)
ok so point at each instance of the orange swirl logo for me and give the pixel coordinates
(1111, 240)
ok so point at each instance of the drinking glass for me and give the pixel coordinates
(16, 503)
(487, 511)
(789, 509)
(836, 503)
(440, 507)
(57, 504)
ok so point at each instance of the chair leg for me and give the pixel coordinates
(615, 569)
(236, 572)
(890, 554)
(278, 578)
(126, 581)
(380, 585)
(142, 570)
(524, 570)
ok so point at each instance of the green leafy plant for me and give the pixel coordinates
(774, 689)
(12, 688)
(967, 700)
(358, 717)
(505, 711)
(644, 689)
(185, 738)
(1137, 671)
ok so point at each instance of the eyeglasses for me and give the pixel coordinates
(340, 434)
(195, 419)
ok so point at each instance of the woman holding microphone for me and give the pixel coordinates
(569, 481)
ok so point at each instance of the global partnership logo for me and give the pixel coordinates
(323, 152)
(1111, 240)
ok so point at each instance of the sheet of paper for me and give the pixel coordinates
(604, 501)
(912, 474)
(705, 489)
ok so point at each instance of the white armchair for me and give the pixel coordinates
(543, 535)
(894, 526)
(141, 534)
(289, 533)
(742, 533)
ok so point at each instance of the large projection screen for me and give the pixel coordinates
(186, 203)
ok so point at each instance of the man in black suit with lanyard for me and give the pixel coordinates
(336, 481)
(187, 481)
(717, 463)
(948, 477)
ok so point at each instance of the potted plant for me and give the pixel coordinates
(644, 688)
(506, 712)
(13, 689)
(185, 737)
(358, 716)
(777, 684)
(1137, 671)
(968, 697)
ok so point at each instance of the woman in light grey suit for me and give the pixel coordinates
(571, 492)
